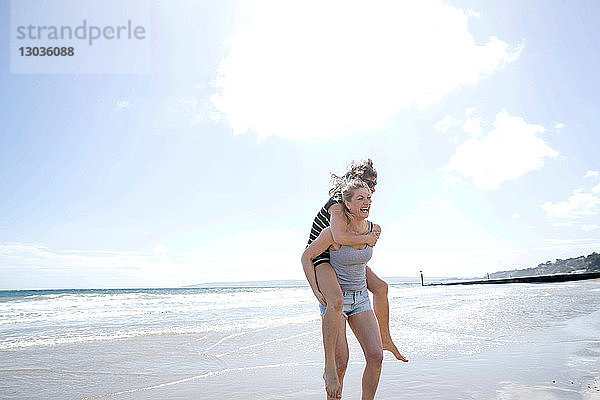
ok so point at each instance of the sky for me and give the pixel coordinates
(209, 162)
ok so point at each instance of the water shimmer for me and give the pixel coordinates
(516, 341)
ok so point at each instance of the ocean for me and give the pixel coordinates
(263, 341)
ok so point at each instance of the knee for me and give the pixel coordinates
(374, 357)
(379, 288)
(335, 303)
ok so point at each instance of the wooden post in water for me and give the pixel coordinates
(422, 283)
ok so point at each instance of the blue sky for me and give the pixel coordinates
(481, 118)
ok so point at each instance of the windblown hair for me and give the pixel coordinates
(348, 186)
(362, 170)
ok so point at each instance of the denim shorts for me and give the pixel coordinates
(354, 302)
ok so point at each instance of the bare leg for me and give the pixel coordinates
(341, 354)
(365, 328)
(329, 286)
(381, 306)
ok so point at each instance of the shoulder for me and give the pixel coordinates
(335, 208)
(334, 204)
(326, 234)
(327, 237)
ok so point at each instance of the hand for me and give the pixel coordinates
(372, 238)
(377, 229)
(320, 297)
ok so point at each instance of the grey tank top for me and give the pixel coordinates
(350, 265)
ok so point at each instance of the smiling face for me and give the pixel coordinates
(360, 203)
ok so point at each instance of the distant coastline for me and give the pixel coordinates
(287, 283)
(581, 264)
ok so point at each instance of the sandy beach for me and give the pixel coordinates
(529, 342)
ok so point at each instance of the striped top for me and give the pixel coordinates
(322, 221)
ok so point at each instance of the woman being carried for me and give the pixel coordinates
(350, 266)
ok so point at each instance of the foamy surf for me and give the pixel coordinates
(170, 343)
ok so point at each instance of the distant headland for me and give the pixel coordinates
(581, 264)
(572, 269)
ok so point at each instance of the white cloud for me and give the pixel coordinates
(579, 205)
(445, 123)
(191, 111)
(591, 174)
(515, 216)
(161, 251)
(180, 113)
(237, 257)
(576, 224)
(122, 104)
(251, 260)
(596, 189)
(454, 181)
(561, 224)
(571, 241)
(473, 13)
(510, 150)
(316, 70)
(36, 266)
(441, 239)
(444, 241)
(473, 126)
(559, 125)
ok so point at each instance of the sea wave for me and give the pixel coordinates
(246, 326)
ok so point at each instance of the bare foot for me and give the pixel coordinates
(391, 347)
(332, 385)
